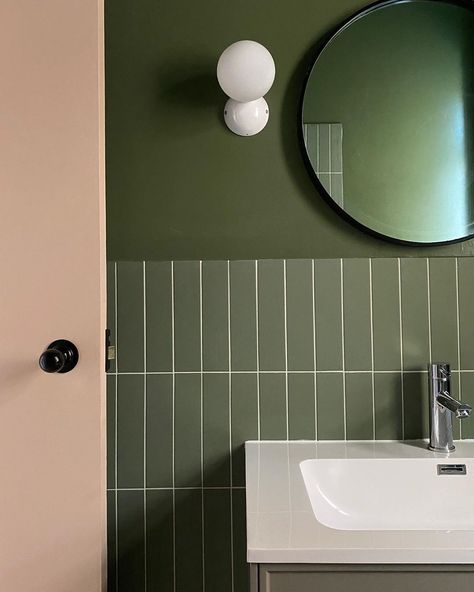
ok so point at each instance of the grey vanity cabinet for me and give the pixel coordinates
(361, 578)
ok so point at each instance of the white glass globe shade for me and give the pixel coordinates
(246, 119)
(246, 71)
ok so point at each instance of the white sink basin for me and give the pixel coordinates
(358, 502)
(391, 493)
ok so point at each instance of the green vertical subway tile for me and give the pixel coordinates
(188, 528)
(443, 300)
(159, 354)
(241, 568)
(111, 307)
(301, 412)
(217, 540)
(159, 541)
(455, 392)
(273, 407)
(187, 338)
(415, 405)
(327, 288)
(159, 431)
(299, 304)
(111, 543)
(215, 335)
(187, 444)
(466, 318)
(111, 417)
(388, 406)
(416, 348)
(130, 312)
(359, 406)
(130, 430)
(386, 314)
(216, 448)
(131, 541)
(244, 421)
(243, 316)
(357, 338)
(271, 314)
(330, 406)
(467, 396)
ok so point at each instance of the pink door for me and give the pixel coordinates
(52, 286)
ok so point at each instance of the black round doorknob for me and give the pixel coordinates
(59, 357)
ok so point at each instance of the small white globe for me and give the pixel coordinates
(246, 119)
(246, 71)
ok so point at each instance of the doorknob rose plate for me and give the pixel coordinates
(59, 357)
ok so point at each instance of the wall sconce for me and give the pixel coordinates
(246, 72)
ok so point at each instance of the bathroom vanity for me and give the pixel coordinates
(351, 516)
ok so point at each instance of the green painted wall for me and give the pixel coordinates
(179, 185)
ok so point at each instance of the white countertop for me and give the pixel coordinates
(282, 528)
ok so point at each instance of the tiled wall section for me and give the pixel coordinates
(212, 354)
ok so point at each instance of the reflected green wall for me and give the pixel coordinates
(179, 185)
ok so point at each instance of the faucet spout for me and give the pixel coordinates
(460, 410)
(443, 407)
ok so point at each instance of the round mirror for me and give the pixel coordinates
(387, 120)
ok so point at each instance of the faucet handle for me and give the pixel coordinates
(444, 370)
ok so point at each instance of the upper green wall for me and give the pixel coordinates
(179, 184)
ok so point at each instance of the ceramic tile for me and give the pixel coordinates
(243, 315)
(130, 307)
(273, 412)
(217, 540)
(299, 298)
(330, 406)
(386, 314)
(187, 430)
(130, 397)
(271, 312)
(131, 541)
(159, 541)
(189, 553)
(359, 406)
(215, 334)
(301, 406)
(159, 433)
(158, 317)
(357, 338)
(327, 286)
(244, 421)
(187, 339)
(216, 450)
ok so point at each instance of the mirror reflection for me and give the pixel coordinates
(387, 120)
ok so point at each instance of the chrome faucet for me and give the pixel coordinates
(442, 408)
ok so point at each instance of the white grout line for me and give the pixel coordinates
(257, 348)
(429, 306)
(173, 357)
(422, 370)
(458, 330)
(371, 302)
(116, 422)
(229, 346)
(197, 488)
(314, 353)
(144, 424)
(343, 351)
(285, 309)
(202, 430)
(402, 391)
